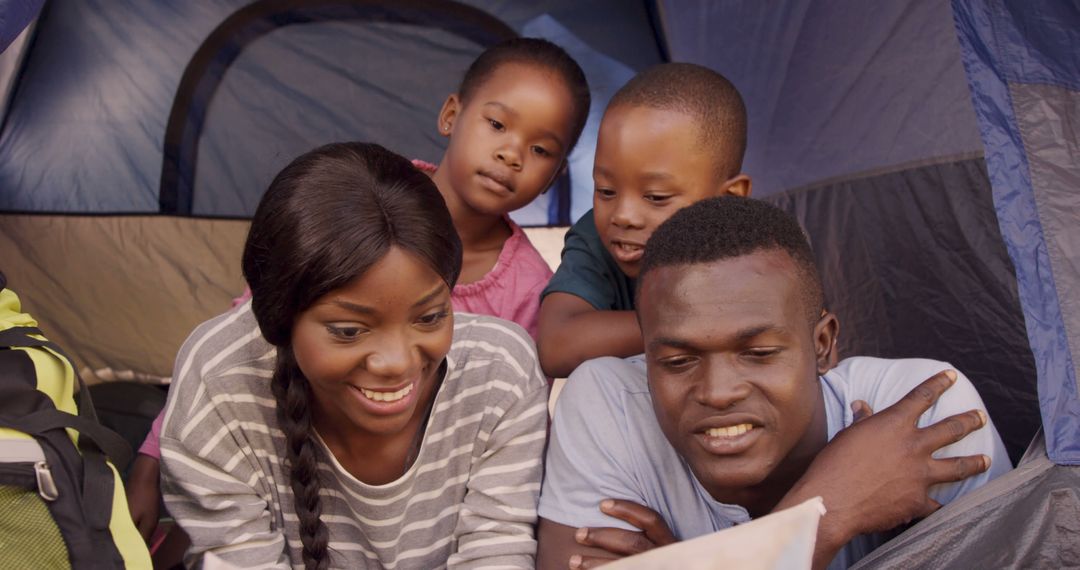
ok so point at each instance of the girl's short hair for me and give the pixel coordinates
(543, 54)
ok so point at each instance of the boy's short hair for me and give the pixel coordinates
(730, 226)
(708, 97)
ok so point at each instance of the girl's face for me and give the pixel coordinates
(508, 141)
(371, 349)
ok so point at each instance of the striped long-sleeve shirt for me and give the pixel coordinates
(468, 501)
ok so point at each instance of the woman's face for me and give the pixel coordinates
(372, 348)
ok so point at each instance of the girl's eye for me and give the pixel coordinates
(433, 319)
(346, 332)
(541, 151)
(605, 193)
(496, 124)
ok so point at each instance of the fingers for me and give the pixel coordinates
(919, 399)
(648, 520)
(953, 428)
(958, 468)
(614, 540)
(861, 410)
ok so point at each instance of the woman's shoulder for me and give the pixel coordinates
(488, 346)
(224, 355)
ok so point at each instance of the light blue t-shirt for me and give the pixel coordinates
(606, 443)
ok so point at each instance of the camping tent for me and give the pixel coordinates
(930, 149)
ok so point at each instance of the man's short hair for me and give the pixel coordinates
(730, 226)
(704, 95)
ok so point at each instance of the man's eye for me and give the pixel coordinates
(432, 319)
(761, 353)
(678, 362)
(344, 332)
(496, 124)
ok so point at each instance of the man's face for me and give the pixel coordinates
(649, 163)
(733, 368)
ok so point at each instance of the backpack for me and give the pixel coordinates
(57, 489)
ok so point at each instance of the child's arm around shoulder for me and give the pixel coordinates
(573, 328)
(573, 331)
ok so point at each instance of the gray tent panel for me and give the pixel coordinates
(305, 85)
(1027, 518)
(833, 88)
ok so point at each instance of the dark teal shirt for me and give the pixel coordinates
(588, 271)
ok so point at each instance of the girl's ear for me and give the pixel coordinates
(826, 333)
(448, 114)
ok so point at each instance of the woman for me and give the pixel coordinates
(344, 417)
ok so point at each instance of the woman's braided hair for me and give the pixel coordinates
(326, 218)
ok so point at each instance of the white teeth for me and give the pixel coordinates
(628, 247)
(387, 396)
(729, 431)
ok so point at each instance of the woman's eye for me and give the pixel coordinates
(495, 124)
(344, 332)
(432, 319)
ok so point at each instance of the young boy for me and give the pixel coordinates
(673, 135)
(737, 409)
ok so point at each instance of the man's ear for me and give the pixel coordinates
(737, 186)
(448, 114)
(826, 333)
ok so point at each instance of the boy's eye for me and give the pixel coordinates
(541, 151)
(605, 193)
(496, 124)
(657, 198)
(344, 332)
(433, 319)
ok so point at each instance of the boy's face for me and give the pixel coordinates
(733, 370)
(509, 140)
(649, 164)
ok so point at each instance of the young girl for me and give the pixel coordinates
(515, 118)
(345, 417)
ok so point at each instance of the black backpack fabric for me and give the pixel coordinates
(53, 475)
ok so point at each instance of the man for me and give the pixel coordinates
(737, 410)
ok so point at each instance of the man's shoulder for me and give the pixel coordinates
(603, 383)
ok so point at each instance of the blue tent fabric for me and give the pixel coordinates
(14, 16)
(1024, 73)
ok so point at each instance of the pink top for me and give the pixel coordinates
(152, 444)
(511, 290)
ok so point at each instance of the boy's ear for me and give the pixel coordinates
(448, 114)
(737, 186)
(826, 333)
